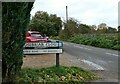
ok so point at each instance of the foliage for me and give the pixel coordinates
(71, 27)
(111, 30)
(74, 27)
(15, 17)
(55, 75)
(45, 23)
(83, 29)
(102, 28)
(93, 28)
(98, 40)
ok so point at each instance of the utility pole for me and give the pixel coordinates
(67, 32)
(66, 14)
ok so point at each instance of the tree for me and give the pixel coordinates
(93, 28)
(71, 28)
(111, 30)
(102, 28)
(56, 24)
(45, 23)
(39, 22)
(15, 18)
(84, 29)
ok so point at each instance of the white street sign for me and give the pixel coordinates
(43, 44)
(41, 51)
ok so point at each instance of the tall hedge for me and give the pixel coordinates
(15, 18)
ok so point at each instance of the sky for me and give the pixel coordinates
(90, 12)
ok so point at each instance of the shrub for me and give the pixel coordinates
(15, 17)
(104, 41)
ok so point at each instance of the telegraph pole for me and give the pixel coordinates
(66, 30)
(66, 14)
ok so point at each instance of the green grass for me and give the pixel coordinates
(109, 41)
(56, 75)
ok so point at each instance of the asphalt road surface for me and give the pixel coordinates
(104, 61)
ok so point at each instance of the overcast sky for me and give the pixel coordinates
(90, 12)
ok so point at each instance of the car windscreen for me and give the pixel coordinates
(36, 35)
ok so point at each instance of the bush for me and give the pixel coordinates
(103, 41)
(15, 17)
(116, 47)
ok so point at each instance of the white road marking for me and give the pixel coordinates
(82, 47)
(111, 54)
(87, 48)
(96, 66)
(0, 59)
(77, 46)
(65, 43)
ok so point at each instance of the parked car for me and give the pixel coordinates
(35, 36)
(44, 35)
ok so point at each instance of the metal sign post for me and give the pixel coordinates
(57, 60)
(57, 56)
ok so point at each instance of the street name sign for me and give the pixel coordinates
(42, 47)
(43, 44)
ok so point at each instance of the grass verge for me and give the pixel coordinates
(109, 41)
(55, 75)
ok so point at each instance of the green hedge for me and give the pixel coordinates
(109, 41)
(15, 17)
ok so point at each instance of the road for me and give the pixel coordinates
(104, 61)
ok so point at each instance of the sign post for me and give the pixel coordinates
(57, 60)
(57, 56)
(45, 47)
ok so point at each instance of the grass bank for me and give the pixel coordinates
(55, 75)
(109, 41)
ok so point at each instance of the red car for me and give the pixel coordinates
(35, 36)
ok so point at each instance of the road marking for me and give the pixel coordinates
(65, 43)
(111, 54)
(0, 59)
(87, 48)
(96, 66)
(82, 47)
(77, 46)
